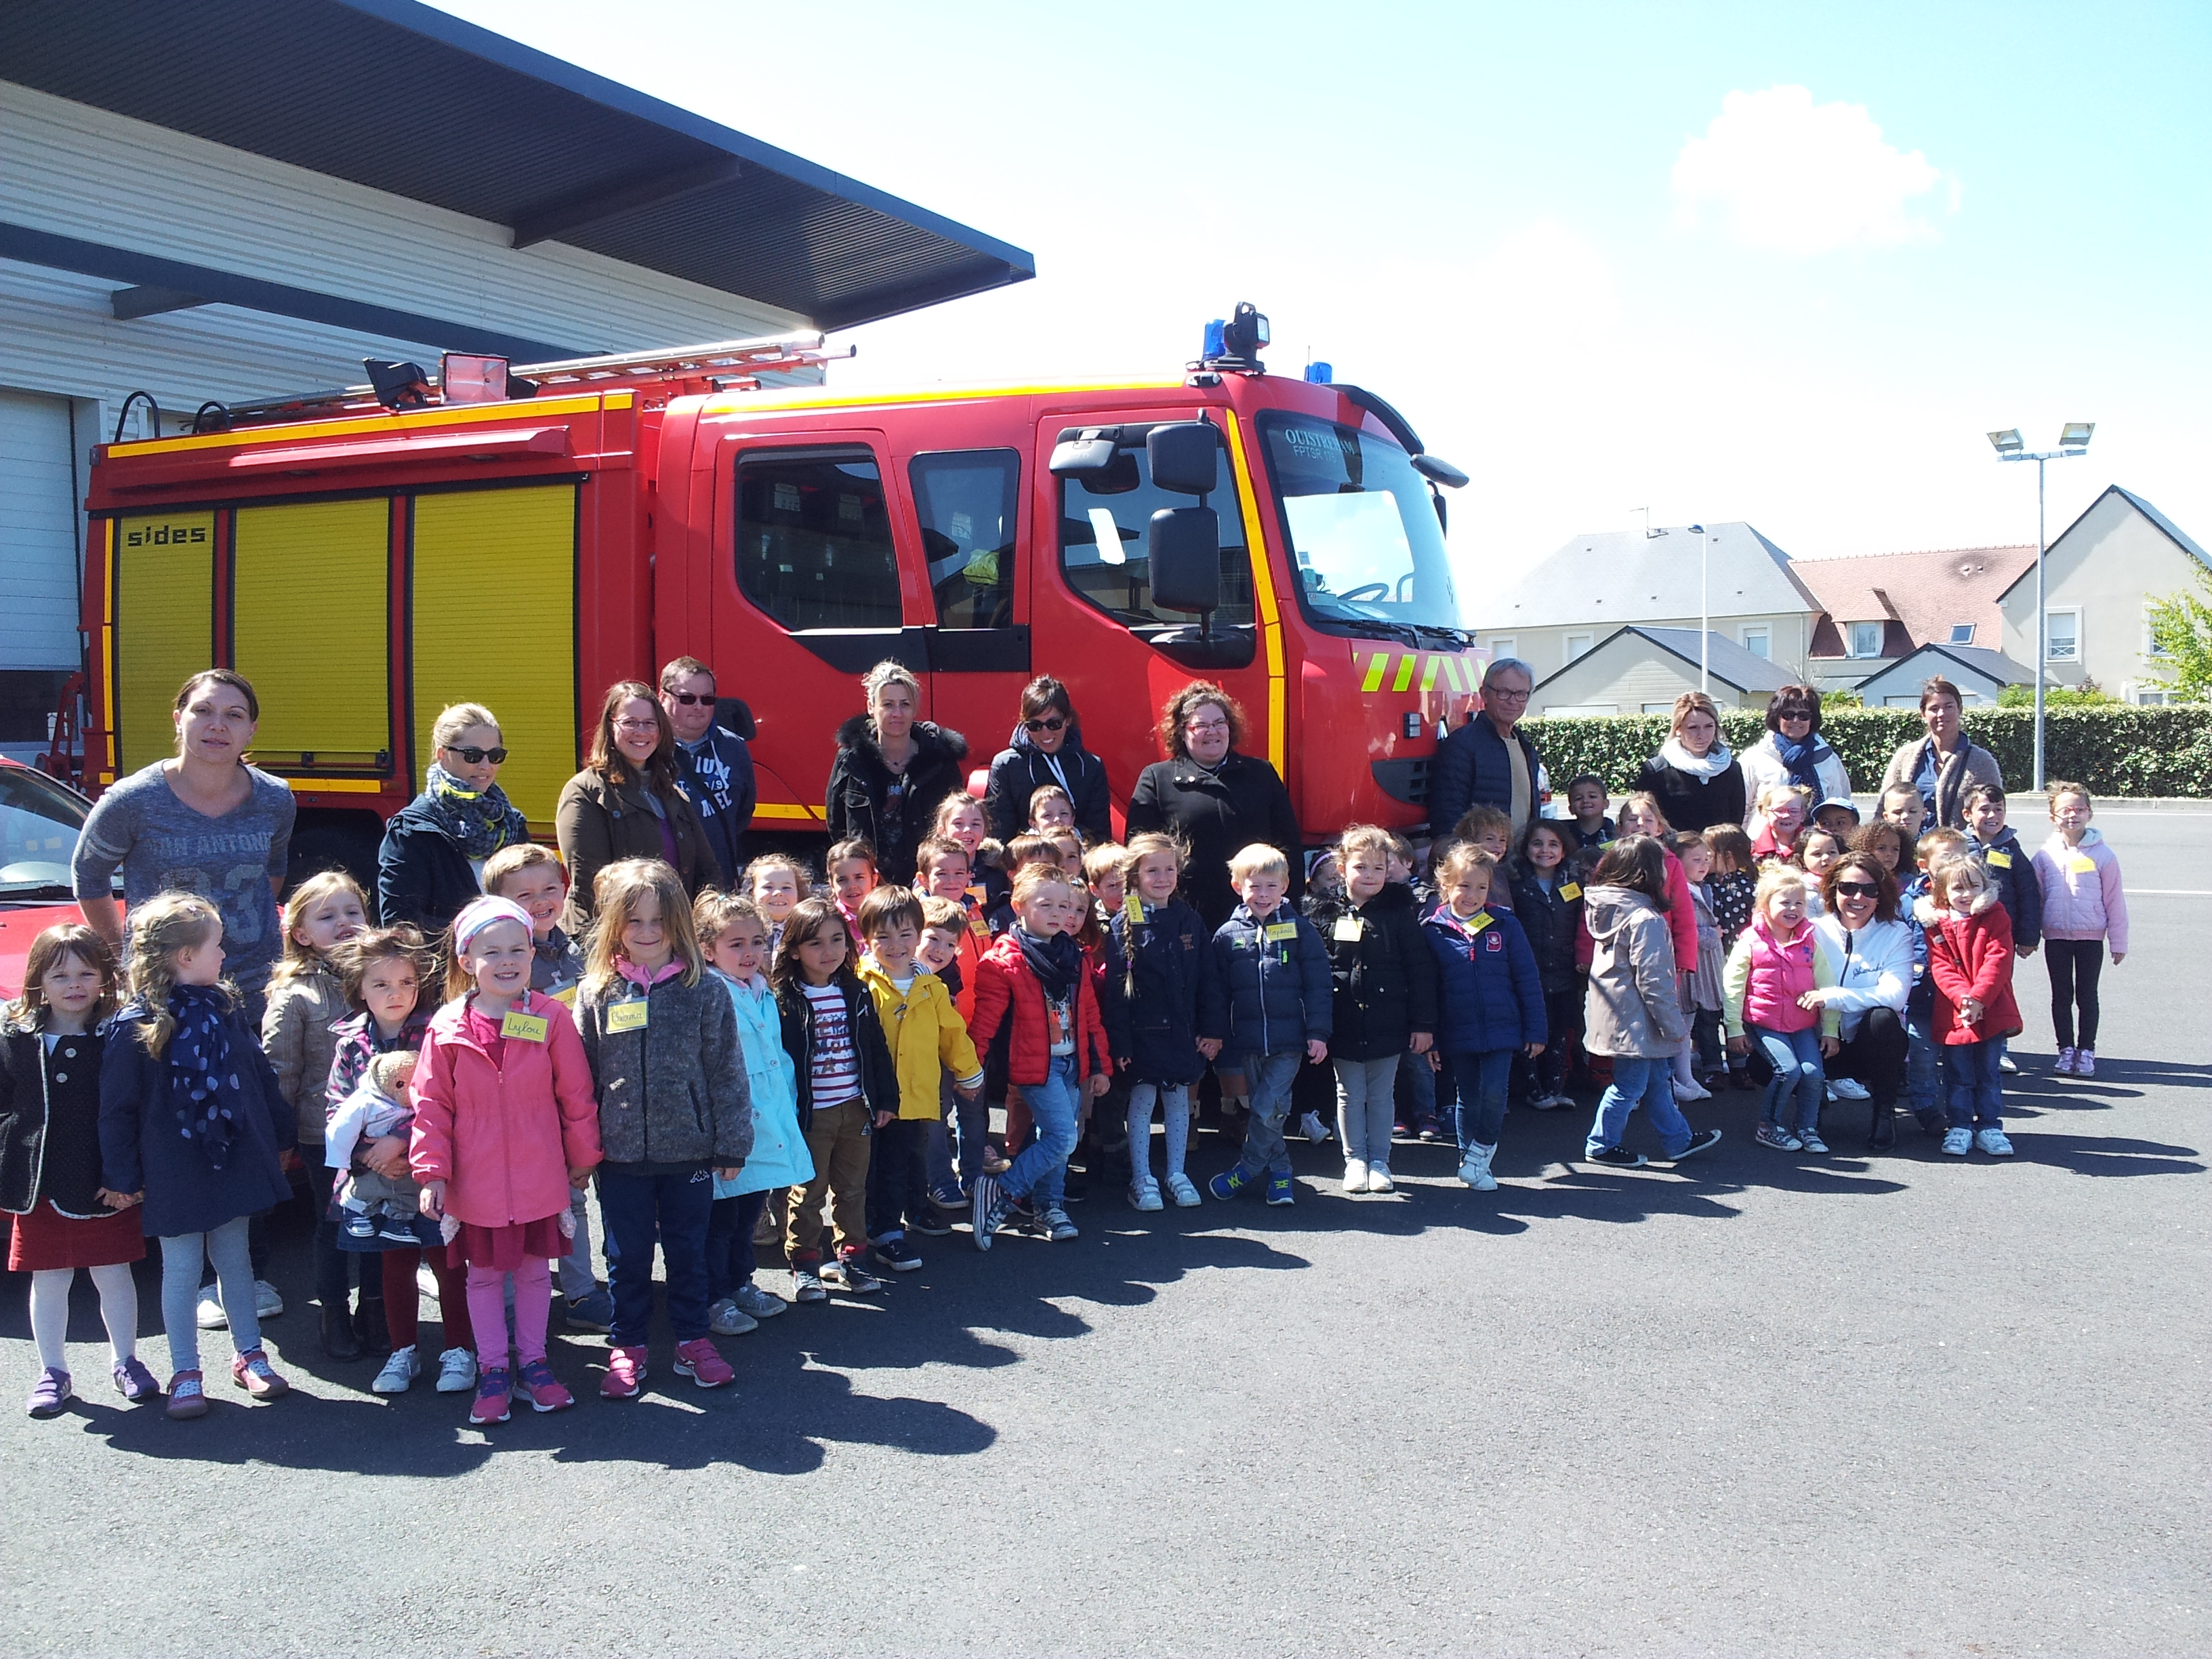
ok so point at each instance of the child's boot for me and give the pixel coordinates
(1474, 1168)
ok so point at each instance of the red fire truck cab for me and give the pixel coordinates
(367, 557)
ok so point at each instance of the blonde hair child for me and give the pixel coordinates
(1777, 962)
(2085, 909)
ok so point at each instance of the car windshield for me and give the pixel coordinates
(1361, 529)
(38, 825)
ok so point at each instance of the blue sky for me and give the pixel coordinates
(1777, 263)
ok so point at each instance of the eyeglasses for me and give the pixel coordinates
(1865, 890)
(1055, 724)
(1198, 728)
(474, 756)
(637, 725)
(1505, 695)
(689, 700)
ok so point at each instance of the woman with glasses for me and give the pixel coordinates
(1871, 949)
(431, 860)
(1047, 748)
(1214, 800)
(892, 768)
(1792, 753)
(627, 803)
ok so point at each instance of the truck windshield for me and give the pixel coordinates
(1362, 529)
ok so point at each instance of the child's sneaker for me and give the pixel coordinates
(726, 1318)
(594, 1310)
(806, 1285)
(1145, 1195)
(757, 1301)
(392, 1231)
(1957, 1143)
(1809, 1141)
(187, 1395)
(544, 1389)
(949, 1199)
(252, 1372)
(268, 1304)
(1378, 1179)
(1701, 1141)
(1355, 1174)
(1280, 1190)
(490, 1404)
(1848, 1088)
(898, 1255)
(134, 1382)
(847, 1273)
(1614, 1157)
(700, 1361)
(1230, 1181)
(456, 1372)
(1183, 1190)
(209, 1315)
(1317, 1131)
(1691, 1090)
(1431, 1128)
(989, 1208)
(928, 1223)
(358, 1223)
(48, 1394)
(1400, 1130)
(1774, 1135)
(399, 1372)
(2066, 1060)
(1995, 1142)
(625, 1373)
(1052, 1224)
(2085, 1062)
(2007, 1066)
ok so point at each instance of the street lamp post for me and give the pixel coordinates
(1705, 616)
(2073, 440)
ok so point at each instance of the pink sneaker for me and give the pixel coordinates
(2085, 1062)
(490, 1406)
(703, 1363)
(252, 1372)
(625, 1373)
(544, 1389)
(2066, 1061)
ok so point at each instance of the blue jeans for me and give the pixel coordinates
(1795, 1058)
(1924, 1085)
(633, 1206)
(1421, 1086)
(1482, 1078)
(1041, 1172)
(1271, 1077)
(1640, 1082)
(955, 1139)
(1973, 1087)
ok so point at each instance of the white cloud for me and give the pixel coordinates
(1799, 178)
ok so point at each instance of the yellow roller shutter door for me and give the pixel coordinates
(162, 597)
(493, 604)
(309, 626)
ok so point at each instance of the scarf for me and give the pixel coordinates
(1055, 961)
(1802, 760)
(1704, 768)
(645, 981)
(203, 1087)
(478, 821)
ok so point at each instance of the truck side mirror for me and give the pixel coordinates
(1185, 457)
(1184, 545)
(1082, 456)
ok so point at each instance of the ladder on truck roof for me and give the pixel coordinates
(724, 365)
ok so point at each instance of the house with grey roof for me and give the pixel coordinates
(1641, 671)
(1980, 674)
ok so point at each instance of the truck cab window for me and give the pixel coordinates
(968, 499)
(814, 539)
(1102, 524)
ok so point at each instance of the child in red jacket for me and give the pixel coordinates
(1970, 958)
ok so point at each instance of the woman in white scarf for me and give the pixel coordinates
(1696, 781)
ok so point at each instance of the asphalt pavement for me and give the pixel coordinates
(1766, 1403)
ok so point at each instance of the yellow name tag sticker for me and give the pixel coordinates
(566, 996)
(2082, 865)
(528, 1027)
(1135, 907)
(2000, 860)
(626, 1016)
(1570, 889)
(1479, 920)
(1281, 930)
(1347, 929)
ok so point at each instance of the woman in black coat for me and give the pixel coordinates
(890, 771)
(1047, 748)
(1698, 782)
(1213, 799)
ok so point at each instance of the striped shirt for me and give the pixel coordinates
(834, 1066)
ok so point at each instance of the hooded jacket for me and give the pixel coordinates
(1970, 956)
(1216, 814)
(1021, 769)
(672, 1090)
(1634, 1008)
(926, 1038)
(1490, 994)
(1275, 982)
(1552, 917)
(1010, 1012)
(422, 875)
(598, 823)
(299, 1033)
(779, 1156)
(2012, 874)
(1384, 977)
(860, 789)
(1168, 955)
(2080, 902)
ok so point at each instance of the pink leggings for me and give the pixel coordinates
(533, 1305)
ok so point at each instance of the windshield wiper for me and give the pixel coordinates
(22, 890)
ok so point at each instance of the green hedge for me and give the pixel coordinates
(2119, 750)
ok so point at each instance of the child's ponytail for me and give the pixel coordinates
(159, 928)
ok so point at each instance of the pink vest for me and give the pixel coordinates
(1780, 974)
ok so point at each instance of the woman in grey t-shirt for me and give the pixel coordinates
(202, 822)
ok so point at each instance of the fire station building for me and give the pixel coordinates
(232, 200)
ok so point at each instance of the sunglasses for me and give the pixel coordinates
(689, 700)
(1055, 724)
(474, 756)
(1865, 890)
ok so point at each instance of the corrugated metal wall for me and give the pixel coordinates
(38, 533)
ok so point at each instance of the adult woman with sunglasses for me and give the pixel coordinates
(1792, 753)
(431, 860)
(1047, 748)
(1873, 951)
(628, 802)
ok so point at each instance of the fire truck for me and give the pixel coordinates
(525, 536)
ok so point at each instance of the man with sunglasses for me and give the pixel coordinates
(1047, 748)
(716, 766)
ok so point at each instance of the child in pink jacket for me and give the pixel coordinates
(506, 1125)
(2083, 907)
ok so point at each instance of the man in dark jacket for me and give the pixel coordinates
(1488, 762)
(714, 762)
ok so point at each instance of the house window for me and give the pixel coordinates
(1572, 711)
(2151, 699)
(1962, 633)
(1911, 701)
(1755, 637)
(2151, 646)
(1866, 639)
(2061, 636)
(1578, 645)
(1502, 646)
(1667, 708)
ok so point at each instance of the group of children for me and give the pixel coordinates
(726, 1072)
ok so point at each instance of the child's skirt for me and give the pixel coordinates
(505, 1250)
(44, 1239)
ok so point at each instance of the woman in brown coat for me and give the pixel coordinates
(627, 803)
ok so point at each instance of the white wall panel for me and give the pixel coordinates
(38, 534)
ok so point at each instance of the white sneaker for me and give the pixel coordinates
(1551, 1102)
(1848, 1088)
(1055, 1224)
(209, 1315)
(1957, 1143)
(1355, 1174)
(1474, 1168)
(1691, 1090)
(1145, 1195)
(456, 1372)
(726, 1318)
(401, 1369)
(1317, 1131)
(1995, 1142)
(267, 1304)
(1378, 1179)
(1184, 1191)
(2007, 1066)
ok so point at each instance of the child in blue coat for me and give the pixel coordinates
(1489, 1001)
(1274, 974)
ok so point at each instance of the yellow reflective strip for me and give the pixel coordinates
(460, 415)
(1429, 671)
(1263, 596)
(1451, 673)
(1376, 663)
(336, 786)
(747, 403)
(1405, 672)
(771, 809)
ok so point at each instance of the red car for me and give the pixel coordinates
(39, 818)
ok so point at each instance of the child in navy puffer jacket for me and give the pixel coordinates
(1274, 972)
(1172, 999)
(1490, 1001)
